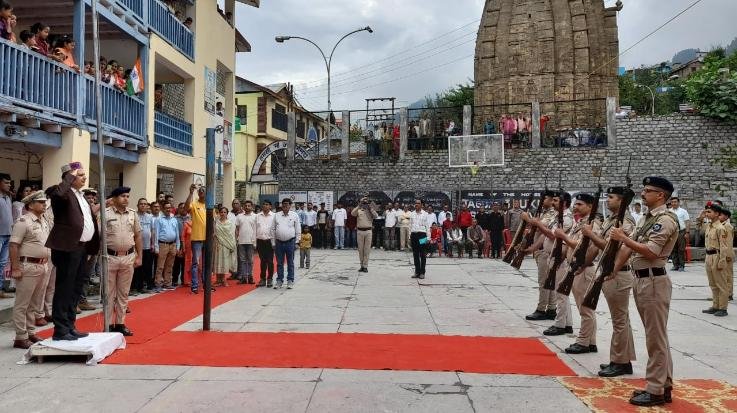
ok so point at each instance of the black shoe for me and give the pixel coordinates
(721, 313)
(242, 281)
(616, 369)
(646, 399)
(710, 310)
(78, 334)
(576, 348)
(667, 394)
(421, 276)
(603, 366)
(537, 315)
(554, 331)
(731, 298)
(122, 329)
(65, 337)
(416, 275)
(550, 314)
(569, 330)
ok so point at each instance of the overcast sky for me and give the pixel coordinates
(420, 47)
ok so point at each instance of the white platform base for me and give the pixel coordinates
(95, 347)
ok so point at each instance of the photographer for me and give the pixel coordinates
(365, 214)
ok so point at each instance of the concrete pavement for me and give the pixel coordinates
(458, 297)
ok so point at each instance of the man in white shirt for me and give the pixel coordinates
(264, 235)
(234, 212)
(419, 229)
(286, 234)
(339, 217)
(679, 250)
(390, 221)
(431, 217)
(245, 233)
(636, 212)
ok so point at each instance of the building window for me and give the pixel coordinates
(278, 119)
(301, 129)
(279, 108)
(241, 116)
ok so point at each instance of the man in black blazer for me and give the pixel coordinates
(73, 237)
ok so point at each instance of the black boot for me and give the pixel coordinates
(537, 315)
(647, 399)
(616, 369)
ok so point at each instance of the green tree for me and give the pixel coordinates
(633, 91)
(713, 89)
(459, 95)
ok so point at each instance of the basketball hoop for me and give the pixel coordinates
(474, 168)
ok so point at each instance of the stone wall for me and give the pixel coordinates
(681, 148)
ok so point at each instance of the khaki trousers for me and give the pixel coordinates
(587, 332)
(652, 297)
(617, 294)
(730, 277)
(364, 247)
(563, 315)
(718, 281)
(49, 288)
(545, 298)
(120, 275)
(29, 294)
(165, 264)
(404, 237)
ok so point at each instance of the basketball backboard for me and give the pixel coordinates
(475, 151)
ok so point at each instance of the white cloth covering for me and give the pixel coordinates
(97, 346)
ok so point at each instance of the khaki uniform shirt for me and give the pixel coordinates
(729, 229)
(577, 234)
(30, 232)
(628, 226)
(121, 228)
(364, 217)
(716, 239)
(548, 244)
(658, 229)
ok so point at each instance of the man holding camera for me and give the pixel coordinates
(365, 214)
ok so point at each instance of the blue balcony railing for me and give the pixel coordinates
(136, 6)
(167, 26)
(121, 113)
(29, 78)
(172, 133)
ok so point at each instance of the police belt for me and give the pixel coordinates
(120, 253)
(34, 260)
(646, 272)
(712, 252)
(365, 229)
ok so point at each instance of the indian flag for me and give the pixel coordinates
(134, 84)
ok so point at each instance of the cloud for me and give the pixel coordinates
(387, 63)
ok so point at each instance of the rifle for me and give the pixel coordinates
(514, 247)
(528, 239)
(579, 254)
(557, 249)
(608, 257)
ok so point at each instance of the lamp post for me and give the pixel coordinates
(651, 94)
(328, 61)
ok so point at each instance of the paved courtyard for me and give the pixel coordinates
(469, 297)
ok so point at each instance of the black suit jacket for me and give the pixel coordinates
(69, 220)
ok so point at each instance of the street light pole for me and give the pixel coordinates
(328, 61)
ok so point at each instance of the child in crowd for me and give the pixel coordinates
(305, 245)
(120, 79)
(436, 239)
(26, 39)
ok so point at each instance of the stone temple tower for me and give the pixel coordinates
(547, 51)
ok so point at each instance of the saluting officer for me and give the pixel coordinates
(725, 215)
(29, 267)
(617, 289)
(648, 250)
(124, 249)
(716, 260)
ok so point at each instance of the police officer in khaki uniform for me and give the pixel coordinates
(124, 249)
(545, 309)
(716, 260)
(617, 288)
(29, 259)
(725, 215)
(648, 250)
(586, 338)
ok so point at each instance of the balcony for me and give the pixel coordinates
(172, 133)
(166, 25)
(121, 114)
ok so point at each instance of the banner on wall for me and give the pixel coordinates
(435, 198)
(475, 199)
(318, 197)
(378, 197)
(295, 196)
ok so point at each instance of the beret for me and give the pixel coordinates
(658, 182)
(119, 191)
(616, 190)
(587, 198)
(550, 193)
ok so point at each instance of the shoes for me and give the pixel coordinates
(360, 269)
(667, 394)
(195, 291)
(243, 281)
(261, 283)
(421, 276)
(3, 294)
(34, 338)
(616, 369)
(85, 306)
(120, 328)
(646, 399)
(9, 289)
(537, 315)
(731, 298)
(40, 322)
(416, 275)
(169, 288)
(290, 284)
(157, 290)
(557, 331)
(720, 313)
(603, 366)
(710, 310)
(65, 337)
(24, 344)
(576, 348)
(250, 279)
(133, 293)
(78, 310)
(550, 314)
(78, 334)
(278, 285)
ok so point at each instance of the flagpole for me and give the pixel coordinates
(102, 256)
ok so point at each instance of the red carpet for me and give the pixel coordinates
(348, 351)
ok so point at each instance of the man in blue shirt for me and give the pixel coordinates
(143, 275)
(166, 229)
(177, 275)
